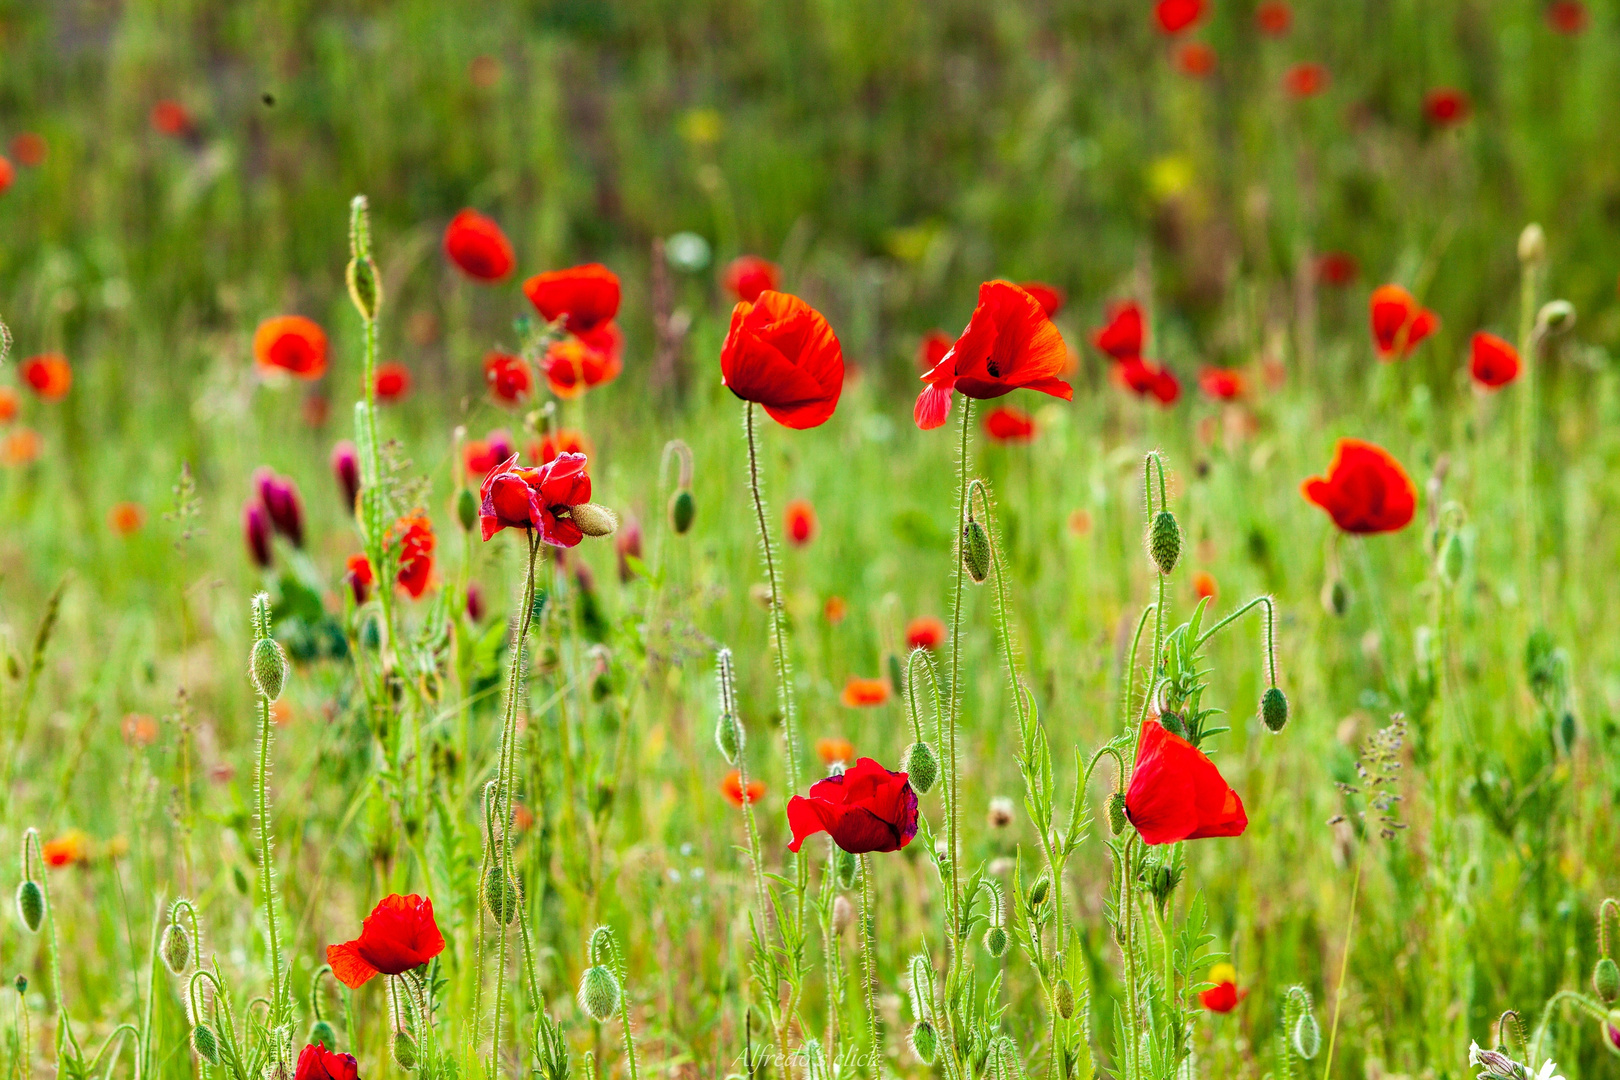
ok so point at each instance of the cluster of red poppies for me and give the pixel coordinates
(1122, 339)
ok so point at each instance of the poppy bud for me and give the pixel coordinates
(729, 737)
(1555, 317)
(1116, 813)
(976, 551)
(1173, 723)
(897, 682)
(21, 984)
(843, 912)
(1037, 891)
(599, 993)
(346, 467)
(1164, 541)
(1606, 980)
(845, 865)
(30, 905)
(921, 766)
(269, 668)
(995, 941)
(364, 287)
(924, 1041)
(1274, 709)
(1307, 1035)
(594, 519)
(1063, 994)
(1532, 245)
(681, 511)
(467, 509)
(321, 1034)
(1452, 557)
(1335, 598)
(501, 895)
(403, 1049)
(175, 947)
(203, 1041)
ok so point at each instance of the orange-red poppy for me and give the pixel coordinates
(69, 848)
(749, 275)
(1492, 361)
(48, 375)
(732, 788)
(1222, 384)
(482, 455)
(925, 632)
(1203, 583)
(1009, 344)
(10, 404)
(932, 349)
(1399, 323)
(864, 693)
(478, 247)
(171, 118)
(575, 364)
(1080, 522)
(1365, 489)
(1195, 59)
(1124, 334)
(393, 382)
(561, 441)
(414, 535)
(1273, 18)
(398, 935)
(781, 354)
(139, 729)
(831, 750)
(7, 174)
(293, 344)
(1145, 378)
(1174, 16)
(29, 149)
(1567, 16)
(583, 297)
(1446, 106)
(1176, 793)
(507, 377)
(1006, 424)
(1224, 996)
(834, 610)
(1050, 297)
(126, 518)
(21, 447)
(360, 577)
(799, 522)
(1305, 80)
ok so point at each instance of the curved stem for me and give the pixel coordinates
(1271, 632)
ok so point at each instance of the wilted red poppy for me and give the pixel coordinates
(561, 441)
(831, 750)
(1492, 361)
(1203, 584)
(749, 275)
(293, 344)
(10, 404)
(1567, 16)
(1124, 335)
(575, 364)
(398, 935)
(932, 349)
(1274, 18)
(1050, 297)
(1224, 996)
(316, 1062)
(29, 149)
(1174, 16)
(1222, 384)
(345, 463)
(733, 789)
(799, 521)
(256, 532)
(360, 578)
(1398, 322)
(171, 118)
(781, 353)
(866, 808)
(393, 382)
(69, 848)
(1195, 59)
(415, 539)
(583, 297)
(1305, 80)
(126, 518)
(1006, 424)
(478, 247)
(925, 632)
(1445, 106)
(1009, 344)
(862, 693)
(1337, 268)
(1177, 793)
(521, 498)
(507, 377)
(48, 375)
(1365, 490)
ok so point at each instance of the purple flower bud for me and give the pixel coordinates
(500, 444)
(256, 529)
(280, 497)
(475, 602)
(346, 467)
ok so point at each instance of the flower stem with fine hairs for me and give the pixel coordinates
(281, 1005)
(954, 707)
(784, 681)
(1344, 967)
(868, 968)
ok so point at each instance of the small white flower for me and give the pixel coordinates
(1549, 1071)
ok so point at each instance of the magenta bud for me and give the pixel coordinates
(256, 530)
(500, 445)
(627, 542)
(475, 602)
(280, 498)
(346, 467)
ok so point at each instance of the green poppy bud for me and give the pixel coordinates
(30, 905)
(594, 519)
(501, 895)
(1063, 995)
(467, 509)
(1038, 891)
(269, 668)
(681, 511)
(924, 1041)
(1116, 813)
(976, 551)
(1606, 980)
(599, 993)
(203, 1041)
(1307, 1035)
(921, 766)
(321, 1034)
(175, 947)
(995, 941)
(844, 867)
(1274, 709)
(1164, 541)
(403, 1049)
(729, 737)
(365, 289)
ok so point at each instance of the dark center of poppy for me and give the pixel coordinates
(994, 369)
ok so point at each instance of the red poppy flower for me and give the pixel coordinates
(1203, 584)
(416, 542)
(750, 275)
(555, 443)
(575, 364)
(21, 447)
(316, 1062)
(1365, 490)
(932, 349)
(520, 498)
(1445, 106)
(29, 149)
(1050, 297)
(584, 297)
(799, 521)
(1166, 387)
(1224, 996)
(1177, 793)
(1492, 362)
(67, 849)
(862, 693)
(1398, 323)
(1195, 59)
(360, 578)
(1222, 384)
(781, 353)
(393, 382)
(1305, 80)
(398, 935)
(1124, 335)
(48, 375)
(7, 174)
(831, 750)
(482, 455)
(1567, 16)
(507, 377)
(478, 247)
(1274, 18)
(1337, 268)
(293, 344)
(1145, 378)
(1006, 424)
(10, 404)
(732, 787)
(867, 808)
(171, 118)
(1174, 16)
(1009, 344)
(925, 632)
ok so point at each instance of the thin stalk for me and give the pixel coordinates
(261, 783)
(869, 976)
(954, 709)
(1528, 291)
(1344, 967)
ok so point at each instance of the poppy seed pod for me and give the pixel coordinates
(322, 1034)
(681, 511)
(995, 941)
(1164, 541)
(467, 509)
(1274, 709)
(1116, 812)
(501, 895)
(594, 519)
(599, 993)
(403, 1049)
(203, 1041)
(976, 551)
(729, 737)
(269, 668)
(1307, 1035)
(924, 1041)
(1532, 245)
(175, 948)
(1606, 980)
(921, 765)
(1063, 995)
(30, 905)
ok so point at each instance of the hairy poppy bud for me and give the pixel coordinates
(175, 947)
(594, 519)
(1274, 709)
(467, 509)
(845, 865)
(681, 511)
(976, 551)
(321, 1034)
(1532, 245)
(1555, 317)
(1307, 1035)
(1173, 723)
(203, 1041)
(1606, 980)
(1037, 891)
(1335, 597)
(365, 289)
(924, 1041)
(1164, 541)
(1116, 812)
(1063, 993)
(403, 1049)
(501, 895)
(843, 912)
(269, 666)
(921, 766)
(995, 941)
(729, 737)
(599, 993)
(30, 905)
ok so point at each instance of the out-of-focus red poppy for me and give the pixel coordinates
(69, 848)
(1195, 59)
(1305, 80)
(584, 297)
(393, 382)
(48, 375)
(1222, 384)
(540, 498)
(482, 455)
(1166, 387)
(575, 364)
(398, 935)
(1203, 584)
(781, 353)
(1224, 996)
(171, 118)
(1492, 361)
(932, 349)
(1567, 16)
(1399, 324)
(475, 602)
(10, 404)
(21, 447)
(280, 499)
(126, 518)
(1080, 522)
(834, 610)
(1124, 334)
(925, 632)
(414, 535)
(799, 522)
(507, 377)
(1274, 18)
(1365, 489)
(1174, 16)
(478, 247)
(7, 174)
(831, 750)
(732, 787)
(29, 149)
(1147, 379)
(360, 578)
(139, 729)
(1009, 344)
(318, 1063)
(256, 531)
(866, 808)
(561, 441)
(1177, 793)
(860, 693)
(315, 408)
(1337, 268)
(293, 344)
(345, 463)
(1446, 106)
(749, 275)
(1050, 297)
(1006, 424)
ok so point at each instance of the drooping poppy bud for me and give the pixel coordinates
(203, 1041)
(681, 511)
(1274, 709)
(30, 905)
(501, 895)
(322, 1034)
(924, 1041)
(921, 764)
(175, 948)
(403, 1050)
(995, 941)
(1307, 1035)
(599, 993)
(975, 551)
(1606, 980)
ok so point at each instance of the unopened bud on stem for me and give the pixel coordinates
(975, 551)
(269, 667)
(1164, 541)
(176, 948)
(30, 905)
(1532, 245)
(921, 766)
(1274, 709)
(599, 993)
(594, 519)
